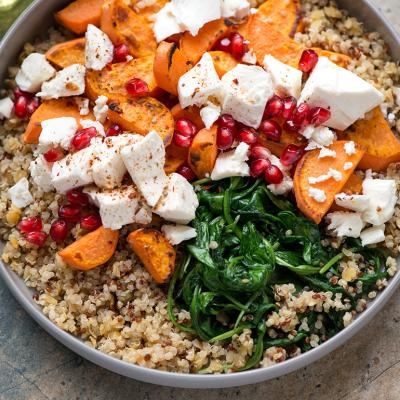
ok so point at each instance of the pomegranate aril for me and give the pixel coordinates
(319, 116)
(258, 167)
(182, 141)
(137, 87)
(90, 222)
(82, 138)
(21, 107)
(120, 53)
(291, 126)
(289, 105)
(30, 224)
(271, 130)
(259, 152)
(114, 130)
(225, 138)
(187, 173)
(274, 107)
(18, 93)
(227, 121)
(33, 105)
(71, 213)
(223, 44)
(59, 230)
(186, 127)
(36, 238)
(53, 155)
(238, 45)
(308, 60)
(77, 198)
(291, 154)
(248, 135)
(273, 175)
(302, 115)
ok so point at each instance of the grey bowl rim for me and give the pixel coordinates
(180, 380)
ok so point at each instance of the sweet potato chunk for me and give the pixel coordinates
(175, 158)
(148, 11)
(312, 166)
(352, 186)
(287, 138)
(123, 25)
(79, 14)
(155, 252)
(142, 115)
(92, 250)
(64, 54)
(191, 112)
(223, 62)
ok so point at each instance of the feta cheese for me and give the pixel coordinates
(40, 171)
(350, 148)
(35, 70)
(335, 174)
(345, 224)
(176, 234)
(354, 202)
(319, 137)
(166, 24)
(235, 8)
(88, 123)
(6, 108)
(346, 95)
(373, 235)
(179, 201)
(245, 92)
(145, 161)
(383, 198)
(282, 188)
(210, 114)
(199, 84)
(322, 178)
(57, 132)
(286, 79)
(317, 194)
(69, 81)
(83, 105)
(99, 50)
(325, 152)
(250, 58)
(347, 165)
(100, 110)
(232, 163)
(19, 194)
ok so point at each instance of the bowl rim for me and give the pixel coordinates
(173, 379)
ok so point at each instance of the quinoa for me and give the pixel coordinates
(118, 309)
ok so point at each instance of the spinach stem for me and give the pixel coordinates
(331, 263)
(202, 182)
(227, 214)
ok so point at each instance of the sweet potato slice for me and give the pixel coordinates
(203, 152)
(155, 253)
(312, 166)
(169, 65)
(223, 62)
(79, 14)
(287, 138)
(64, 54)
(92, 250)
(149, 10)
(123, 25)
(142, 115)
(63, 107)
(192, 112)
(382, 147)
(175, 158)
(352, 186)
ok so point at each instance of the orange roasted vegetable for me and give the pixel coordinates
(92, 250)
(64, 54)
(287, 138)
(155, 252)
(223, 62)
(352, 186)
(148, 10)
(191, 112)
(175, 157)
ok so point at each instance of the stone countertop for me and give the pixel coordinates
(34, 366)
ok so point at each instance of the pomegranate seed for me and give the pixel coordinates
(30, 224)
(20, 93)
(21, 107)
(248, 135)
(59, 230)
(182, 141)
(186, 127)
(238, 46)
(120, 53)
(137, 87)
(83, 137)
(36, 238)
(32, 105)
(77, 197)
(302, 115)
(274, 107)
(71, 213)
(225, 138)
(291, 154)
(187, 173)
(273, 175)
(91, 222)
(114, 130)
(271, 130)
(289, 105)
(290, 126)
(259, 152)
(258, 167)
(308, 60)
(53, 155)
(227, 121)
(319, 116)
(223, 44)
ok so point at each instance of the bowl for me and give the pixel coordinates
(32, 23)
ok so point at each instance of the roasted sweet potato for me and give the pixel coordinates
(352, 186)
(169, 65)
(64, 54)
(64, 107)
(312, 166)
(123, 25)
(223, 62)
(203, 152)
(175, 158)
(287, 138)
(92, 250)
(192, 112)
(111, 81)
(79, 14)
(148, 11)
(155, 252)
(142, 115)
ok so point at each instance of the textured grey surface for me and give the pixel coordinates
(34, 366)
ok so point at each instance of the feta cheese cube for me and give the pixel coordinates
(199, 84)
(318, 195)
(210, 114)
(100, 110)
(99, 50)
(354, 202)
(69, 81)
(373, 235)
(286, 79)
(179, 201)
(177, 234)
(57, 132)
(6, 108)
(245, 92)
(40, 171)
(166, 24)
(83, 105)
(346, 95)
(19, 194)
(235, 8)
(145, 162)
(345, 224)
(232, 163)
(35, 70)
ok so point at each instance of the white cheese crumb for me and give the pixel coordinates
(347, 165)
(177, 234)
(332, 173)
(335, 174)
(350, 148)
(6, 108)
(325, 152)
(100, 110)
(99, 50)
(88, 123)
(210, 114)
(19, 194)
(373, 235)
(250, 58)
(40, 171)
(354, 202)
(83, 105)
(317, 194)
(345, 224)
(57, 132)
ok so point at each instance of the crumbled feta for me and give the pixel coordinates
(166, 24)
(88, 123)
(210, 114)
(19, 194)
(232, 163)
(335, 174)
(348, 165)
(35, 70)
(319, 137)
(99, 50)
(249, 57)
(347, 96)
(40, 171)
(83, 105)
(199, 84)
(317, 194)
(354, 202)
(322, 178)
(245, 92)
(6, 108)
(282, 188)
(69, 81)
(57, 132)
(100, 110)
(373, 235)
(286, 80)
(177, 234)
(325, 152)
(350, 148)
(235, 8)
(345, 224)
